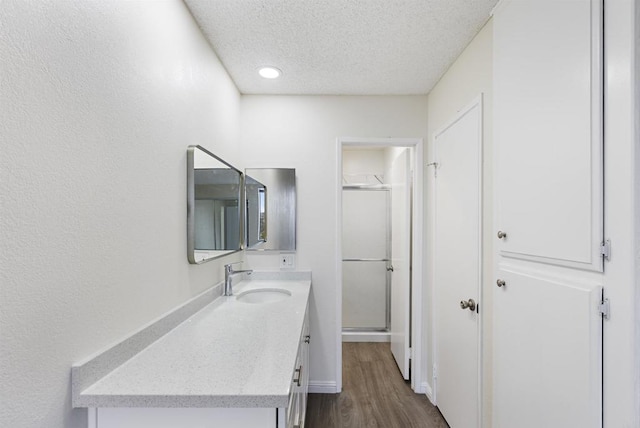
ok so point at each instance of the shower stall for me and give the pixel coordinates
(366, 262)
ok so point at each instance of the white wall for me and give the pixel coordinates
(99, 102)
(361, 165)
(300, 132)
(466, 79)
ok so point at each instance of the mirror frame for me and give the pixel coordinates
(262, 232)
(191, 202)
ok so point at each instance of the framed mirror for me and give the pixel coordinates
(213, 206)
(280, 184)
(256, 212)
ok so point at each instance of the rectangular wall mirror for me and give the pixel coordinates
(213, 206)
(280, 184)
(256, 212)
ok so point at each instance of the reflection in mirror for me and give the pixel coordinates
(281, 207)
(256, 212)
(213, 206)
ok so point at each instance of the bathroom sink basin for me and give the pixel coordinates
(263, 295)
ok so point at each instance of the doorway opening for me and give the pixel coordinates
(379, 251)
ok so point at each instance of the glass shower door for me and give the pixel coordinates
(366, 259)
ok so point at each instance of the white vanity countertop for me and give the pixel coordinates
(229, 354)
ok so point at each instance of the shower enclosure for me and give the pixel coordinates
(366, 263)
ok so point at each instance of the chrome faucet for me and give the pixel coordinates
(229, 273)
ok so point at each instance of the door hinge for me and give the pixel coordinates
(411, 353)
(604, 308)
(605, 249)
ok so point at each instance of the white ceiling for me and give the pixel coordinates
(346, 47)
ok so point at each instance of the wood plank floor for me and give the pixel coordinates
(373, 395)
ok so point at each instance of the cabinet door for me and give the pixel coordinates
(305, 376)
(547, 351)
(184, 418)
(547, 330)
(548, 130)
(297, 410)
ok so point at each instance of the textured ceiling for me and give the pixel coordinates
(349, 47)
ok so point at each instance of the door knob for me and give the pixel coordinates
(501, 283)
(501, 234)
(468, 304)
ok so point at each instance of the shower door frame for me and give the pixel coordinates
(376, 188)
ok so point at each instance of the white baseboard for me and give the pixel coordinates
(428, 391)
(322, 387)
(358, 336)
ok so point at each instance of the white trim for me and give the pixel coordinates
(417, 254)
(428, 391)
(322, 387)
(477, 102)
(338, 279)
(621, 359)
(481, 270)
(417, 279)
(366, 336)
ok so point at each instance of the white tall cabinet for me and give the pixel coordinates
(549, 213)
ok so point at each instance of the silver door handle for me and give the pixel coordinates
(468, 304)
(501, 283)
(299, 373)
(501, 234)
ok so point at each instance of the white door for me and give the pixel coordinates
(457, 266)
(547, 329)
(400, 178)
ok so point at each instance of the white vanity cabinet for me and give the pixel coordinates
(232, 364)
(293, 416)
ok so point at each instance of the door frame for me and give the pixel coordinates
(417, 216)
(387, 328)
(477, 102)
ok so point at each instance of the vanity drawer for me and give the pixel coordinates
(136, 417)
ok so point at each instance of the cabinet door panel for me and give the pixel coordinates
(185, 418)
(305, 377)
(547, 75)
(547, 352)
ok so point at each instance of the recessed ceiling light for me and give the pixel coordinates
(269, 72)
